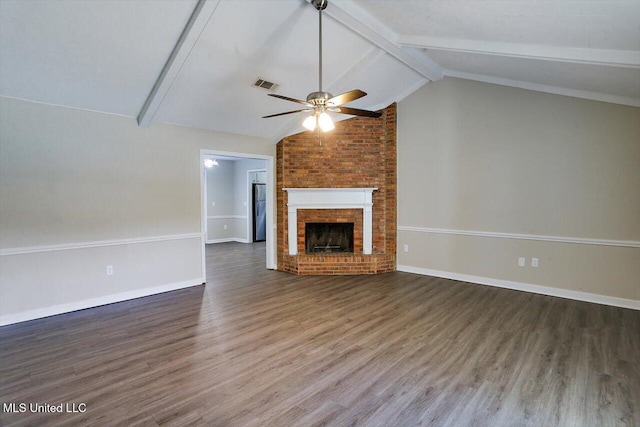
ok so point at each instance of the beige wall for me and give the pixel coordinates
(220, 188)
(70, 176)
(485, 158)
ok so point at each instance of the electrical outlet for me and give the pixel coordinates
(225, 226)
(213, 204)
(109, 270)
(406, 248)
(244, 204)
(534, 262)
(522, 262)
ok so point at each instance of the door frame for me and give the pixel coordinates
(270, 220)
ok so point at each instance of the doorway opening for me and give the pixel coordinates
(237, 201)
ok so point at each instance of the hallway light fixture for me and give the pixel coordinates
(209, 162)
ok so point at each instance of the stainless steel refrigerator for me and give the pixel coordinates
(259, 212)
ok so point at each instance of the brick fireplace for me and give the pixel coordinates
(347, 176)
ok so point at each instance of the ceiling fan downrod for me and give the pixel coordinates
(320, 102)
(320, 97)
(320, 5)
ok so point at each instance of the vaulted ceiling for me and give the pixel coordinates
(193, 63)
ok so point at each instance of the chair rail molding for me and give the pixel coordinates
(97, 244)
(541, 238)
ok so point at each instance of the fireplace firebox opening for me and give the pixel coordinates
(328, 237)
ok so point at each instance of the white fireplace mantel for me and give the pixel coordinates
(330, 198)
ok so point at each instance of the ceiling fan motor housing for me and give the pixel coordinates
(319, 98)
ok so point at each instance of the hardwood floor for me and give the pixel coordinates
(258, 347)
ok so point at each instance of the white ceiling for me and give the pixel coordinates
(106, 55)
(98, 55)
(588, 48)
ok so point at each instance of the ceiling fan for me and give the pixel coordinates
(318, 103)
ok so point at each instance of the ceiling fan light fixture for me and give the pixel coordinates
(318, 102)
(325, 122)
(310, 122)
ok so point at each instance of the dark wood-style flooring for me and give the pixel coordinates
(265, 348)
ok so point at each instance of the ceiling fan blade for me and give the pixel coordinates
(282, 114)
(357, 112)
(343, 98)
(286, 98)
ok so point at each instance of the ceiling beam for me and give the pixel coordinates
(201, 14)
(359, 21)
(615, 58)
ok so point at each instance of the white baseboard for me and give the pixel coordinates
(228, 239)
(536, 289)
(9, 319)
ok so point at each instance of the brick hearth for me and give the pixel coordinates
(358, 153)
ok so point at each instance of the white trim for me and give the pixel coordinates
(526, 287)
(271, 209)
(38, 313)
(227, 217)
(201, 15)
(594, 96)
(556, 239)
(345, 205)
(608, 57)
(227, 239)
(407, 92)
(337, 190)
(397, 98)
(96, 244)
(203, 217)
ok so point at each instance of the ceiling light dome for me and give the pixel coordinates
(310, 122)
(325, 122)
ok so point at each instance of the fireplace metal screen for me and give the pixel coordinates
(328, 237)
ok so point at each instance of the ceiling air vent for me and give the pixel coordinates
(264, 84)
